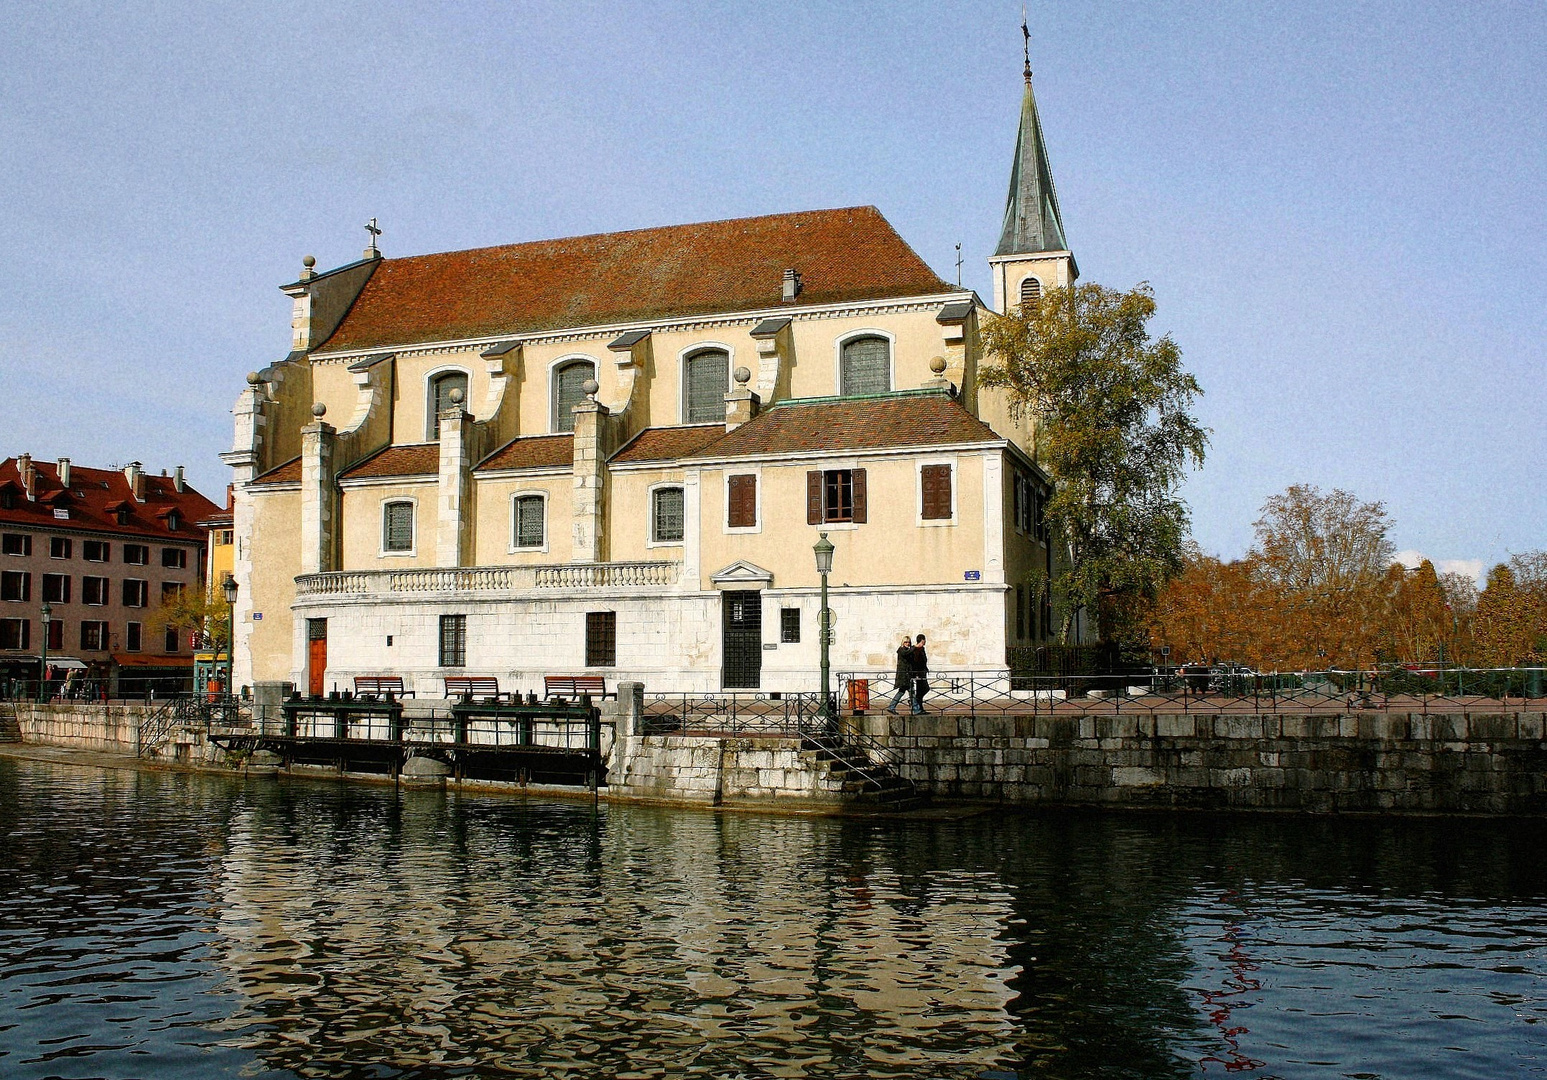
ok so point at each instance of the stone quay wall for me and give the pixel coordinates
(1472, 763)
(83, 725)
(720, 772)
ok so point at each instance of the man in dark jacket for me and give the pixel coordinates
(904, 677)
(920, 675)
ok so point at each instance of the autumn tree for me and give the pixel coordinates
(1114, 430)
(1510, 627)
(192, 610)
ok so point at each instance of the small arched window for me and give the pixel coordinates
(440, 399)
(397, 527)
(567, 393)
(706, 377)
(865, 366)
(1031, 294)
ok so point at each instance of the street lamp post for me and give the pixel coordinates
(824, 565)
(47, 615)
(229, 588)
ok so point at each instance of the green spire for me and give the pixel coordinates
(1031, 218)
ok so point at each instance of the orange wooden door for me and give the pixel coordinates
(316, 655)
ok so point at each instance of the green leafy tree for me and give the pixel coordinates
(192, 610)
(1114, 430)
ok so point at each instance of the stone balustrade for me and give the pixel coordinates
(484, 579)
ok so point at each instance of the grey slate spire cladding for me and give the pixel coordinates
(1031, 218)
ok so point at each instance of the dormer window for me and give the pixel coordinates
(174, 520)
(1031, 295)
(441, 387)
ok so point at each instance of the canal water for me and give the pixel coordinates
(157, 924)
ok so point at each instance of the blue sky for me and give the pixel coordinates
(1340, 207)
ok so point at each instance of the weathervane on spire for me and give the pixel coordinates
(371, 228)
(1026, 35)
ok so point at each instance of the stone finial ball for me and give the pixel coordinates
(319, 410)
(253, 378)
(937, 365)
(743, 376)
(456, 395)
(590, 387)
(309, 261)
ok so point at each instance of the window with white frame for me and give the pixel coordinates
(397, 527)
(439, 396)
(666, 515)
(865, 366)
(568, 391)
(530, 527)
(705, 379)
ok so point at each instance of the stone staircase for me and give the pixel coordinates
(862, 780)
(10, 729)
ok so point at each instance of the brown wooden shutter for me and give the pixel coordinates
(860, 502)
(936, 483)
(743, 502)
(813, 498)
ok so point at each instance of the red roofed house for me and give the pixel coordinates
(614, 453)
(101, 548)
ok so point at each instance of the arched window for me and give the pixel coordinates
(706, 378)
(529, 527)
(567, 392)
(441, 387)
(1031, 294)
(865, 366)
(397, 527)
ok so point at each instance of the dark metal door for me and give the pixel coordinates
(316, 655)
(742, 619)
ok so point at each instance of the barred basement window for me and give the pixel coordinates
(1031, 294)
(601, 638)
(666, 515)
(706, 378)
(453, 641)
(567, 392)
(397, 526)
(530, 526)
(789, 625)
(865, 366)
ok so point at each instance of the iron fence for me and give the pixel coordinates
(732, 715)
(1206, 689)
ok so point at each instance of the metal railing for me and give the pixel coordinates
(1185, 690)
(731, 715)
(485, 579)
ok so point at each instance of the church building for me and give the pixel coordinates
(613, 454)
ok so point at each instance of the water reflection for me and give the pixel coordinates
(164, 924)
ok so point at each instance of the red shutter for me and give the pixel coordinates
(859, 496)
(813, 498)
(936, 483)
(743, 502)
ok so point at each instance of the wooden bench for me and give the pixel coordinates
(381, 686)
(574, 686)
(474, 687)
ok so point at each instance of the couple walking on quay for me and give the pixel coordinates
(912, 677)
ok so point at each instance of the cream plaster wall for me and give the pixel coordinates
(916, 340)
(891, 548)
(276, 560)
(362, 525)
(536, 363)
(630, 523)
(495, 517)
(410, 407)
(334, 386)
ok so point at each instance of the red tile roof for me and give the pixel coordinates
(98, 490)
(904, 420)
(416, 459)
(533, 452)
(288, 473)
(843, 256)
(669, 443)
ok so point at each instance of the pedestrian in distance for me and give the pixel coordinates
(920, 675)
(903, 679)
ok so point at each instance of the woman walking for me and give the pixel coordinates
(903, 679)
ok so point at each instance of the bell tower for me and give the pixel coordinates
(1032, 255)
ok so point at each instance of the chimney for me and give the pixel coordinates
(791, 284)
(64, 472)
(177, 479)
(29, 476)
(136, 480)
